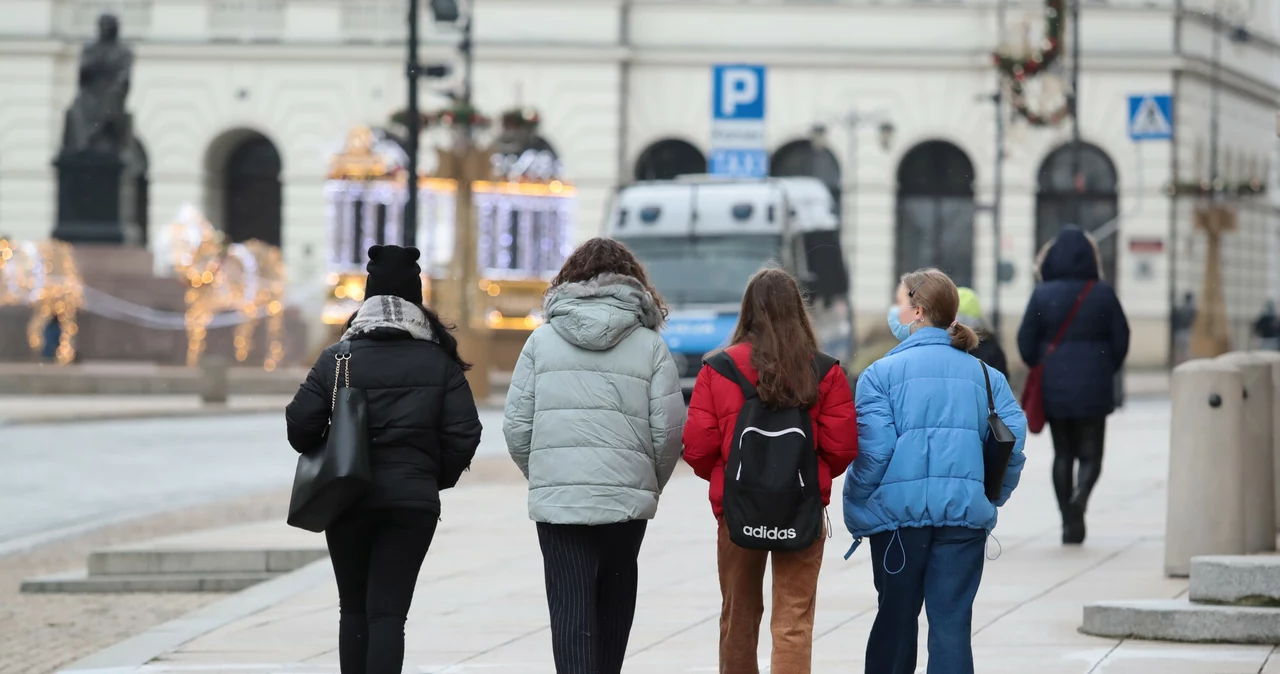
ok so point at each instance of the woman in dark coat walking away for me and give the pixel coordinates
(1079, 376)
(423, 433)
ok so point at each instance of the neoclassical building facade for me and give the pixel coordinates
(237, 103)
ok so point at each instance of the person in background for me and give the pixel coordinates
(1184, 317)
(593, 420)
(917, 487)
(988, 351)
(773, 347)
(423, 433)
(1267, 327)
(1080, 375)
(872, 347)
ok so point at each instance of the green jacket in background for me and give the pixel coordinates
(595, 413)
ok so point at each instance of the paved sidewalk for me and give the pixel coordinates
(480, 604)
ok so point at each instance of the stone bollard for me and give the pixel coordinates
(214, 383)
(1257, 485)
(1206, 461)
(1273, 357)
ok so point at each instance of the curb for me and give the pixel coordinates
(133, 415)
(192, 413)
(131, 654)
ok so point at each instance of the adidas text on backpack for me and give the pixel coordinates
(772, 500)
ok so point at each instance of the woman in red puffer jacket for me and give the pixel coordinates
(772, 347)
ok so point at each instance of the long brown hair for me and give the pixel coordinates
(775, 322)
(937, 297)
(605, 256)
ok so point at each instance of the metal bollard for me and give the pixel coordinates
(1273, 357)
(1257, 485)
(1206, 460)
(214, 383)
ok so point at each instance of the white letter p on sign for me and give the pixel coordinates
(740, 86)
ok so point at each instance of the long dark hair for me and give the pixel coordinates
(776, 323)
(605, 256)
(442, 331)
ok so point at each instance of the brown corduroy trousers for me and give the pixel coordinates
(795, 589)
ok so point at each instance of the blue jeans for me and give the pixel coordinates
(939, 568)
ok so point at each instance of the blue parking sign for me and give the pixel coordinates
(738, 92)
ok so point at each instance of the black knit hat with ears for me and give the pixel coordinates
(394, 271)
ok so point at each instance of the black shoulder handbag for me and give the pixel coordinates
(333, 477)
(997, 447)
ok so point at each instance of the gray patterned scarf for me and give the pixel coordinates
(389, 311)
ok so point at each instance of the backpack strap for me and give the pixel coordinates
(723, 363)
(822, 364)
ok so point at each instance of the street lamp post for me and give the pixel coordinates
(413, 128)
(852, 121)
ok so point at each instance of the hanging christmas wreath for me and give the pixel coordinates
(1017, 69)
(522, 119)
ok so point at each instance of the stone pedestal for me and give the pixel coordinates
(1206, 462)
(89, 189)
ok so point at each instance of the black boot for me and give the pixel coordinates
(1072, 525)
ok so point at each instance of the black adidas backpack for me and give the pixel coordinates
(772, 500)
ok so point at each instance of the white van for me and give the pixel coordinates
(701, 239)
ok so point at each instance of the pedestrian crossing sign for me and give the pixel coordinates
(1151, 117)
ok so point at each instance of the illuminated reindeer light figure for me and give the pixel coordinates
(246, 278)
(44, 276)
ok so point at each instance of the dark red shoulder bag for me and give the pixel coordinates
(1033, 392)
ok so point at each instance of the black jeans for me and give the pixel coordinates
(591, 577)
(938, 568)
(376, 556)
(1076, 441)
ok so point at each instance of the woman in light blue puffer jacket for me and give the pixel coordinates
(594, 419)
(916, 488)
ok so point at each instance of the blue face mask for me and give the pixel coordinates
(902, 332)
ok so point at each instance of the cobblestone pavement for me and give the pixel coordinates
(41, 632)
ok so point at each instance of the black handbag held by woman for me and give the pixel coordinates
(334, 476)
(997, 447)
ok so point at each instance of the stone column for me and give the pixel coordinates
(1206, 461)
(1258, 476)
(1273, 358)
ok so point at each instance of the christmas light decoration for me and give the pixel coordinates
(247, 278)
(524, 226)
(43, 276)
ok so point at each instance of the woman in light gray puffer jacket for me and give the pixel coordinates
(594, 419)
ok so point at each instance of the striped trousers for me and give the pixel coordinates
(591, 577)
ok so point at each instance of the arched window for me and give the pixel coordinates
(935, 211)
(1091, 204)
(669, 158)
(803, 158)
(243, 190)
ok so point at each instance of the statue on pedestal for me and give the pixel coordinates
(97, 138)
(97, 120)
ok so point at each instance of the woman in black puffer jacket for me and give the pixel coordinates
(1079, 377)
(423, 433)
